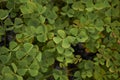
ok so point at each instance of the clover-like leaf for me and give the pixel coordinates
(34, 65)
(78, 6)
(6, 69)
(33, 72)
(28, 8)
(3, 14)
(99, 25)
(65, 43)
(60, 58)
(74, 31)
(82, 36)
(42, 19)
(20, 54)
(40, 29)
(41, 9)
(101, 4)
(39, 56)
(61, 33)
(25, 10)
(19, 77)
(22, 71)
(8, 22)
(13, 45)
(57, 40)
(89, 73)
(68, 53)
(14, 67)
(60, 49)
(42, 38)
(5, 58)
(18, 21)
(28, 47)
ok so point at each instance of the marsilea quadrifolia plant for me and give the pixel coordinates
(59, 39)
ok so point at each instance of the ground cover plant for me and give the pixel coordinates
(59, 39)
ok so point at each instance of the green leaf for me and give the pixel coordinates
(18, 21)
(50, 35)
(41, 9)
(69, 1)
(42, 38)
(39, 56)
(3, 14)
(6, 69)
(40, 30)
(101, 4)
(34, 65)
(83, 20)
(99, 25)
(108, 63)
(60, 58)
(77, 74)
(42, 19)
(19, 77)
(83, 75)
(88, 65)
(112, 69)
(8, 76)
(89, 74)
(28, 8)
(13, 45)
(5, 58)
(70, 39)
(70, 13)
(50, 14)
(78, 6)
(21, 72)
(68, 60)
(4, 50)
(8, 22)
(60, 49)
(61, 33)
(33, 73)
(57, 40)
(25, 10)
(82, 36)
(74, 31)
(23, 62)
(68, 53)
(89, 5)
(65, 43)
(14, 67)
(28, 47)
(23, 1)
(20, 54)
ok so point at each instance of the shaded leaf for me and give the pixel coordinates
(21, 72)
(82, 36)
(28, 47)
(3, 14)
(33, 73)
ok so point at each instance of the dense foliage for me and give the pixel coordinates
(59, 39)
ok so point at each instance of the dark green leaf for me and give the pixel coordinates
(33, 73)
(3, 14)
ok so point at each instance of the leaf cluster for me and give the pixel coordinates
(36, 39)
